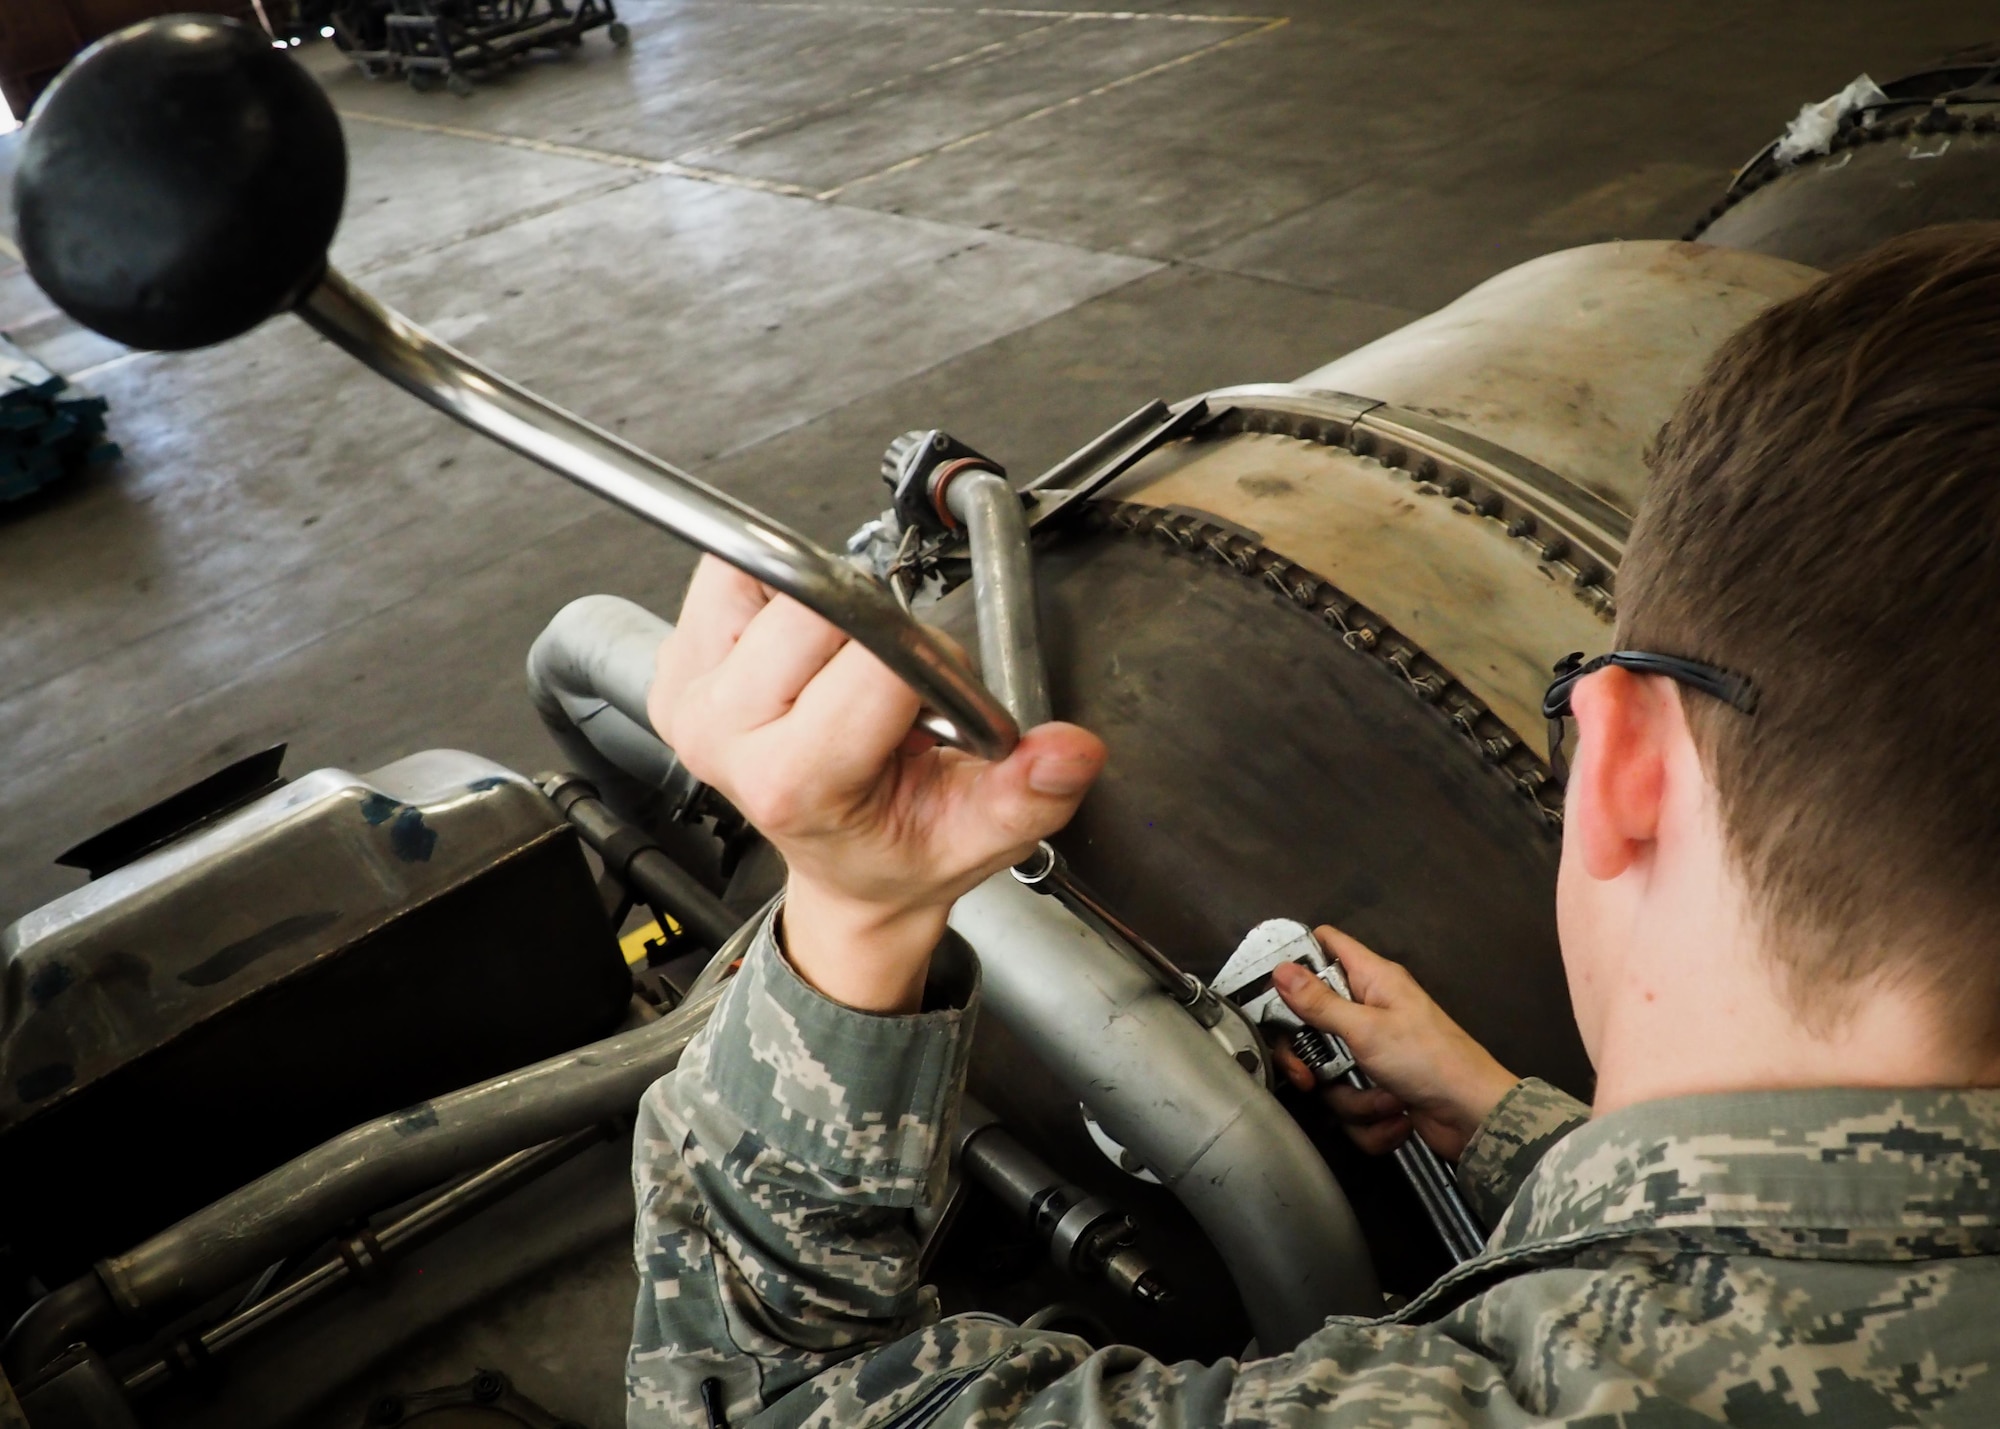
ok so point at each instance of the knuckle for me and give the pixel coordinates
(771, 802)
(693, 743)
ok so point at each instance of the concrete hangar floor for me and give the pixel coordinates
(763, 241)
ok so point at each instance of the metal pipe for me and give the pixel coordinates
(642, 865)
(1166, 1089)
(589, 673)
(414, 1228)
(1086, 1236)
(382, 1161)
(51, 1325)
(962, 711)
(355, 1174)
(1003, 589)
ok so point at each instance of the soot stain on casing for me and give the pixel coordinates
(228, 961)
(48, 982)
(410, 838)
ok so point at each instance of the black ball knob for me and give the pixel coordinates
(179, 183)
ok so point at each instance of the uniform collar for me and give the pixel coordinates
(1840, 1173)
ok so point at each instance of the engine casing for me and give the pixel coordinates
(343, 946)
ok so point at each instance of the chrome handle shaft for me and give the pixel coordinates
(962, 711)
(1003, 589)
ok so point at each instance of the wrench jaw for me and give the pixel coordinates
(1246, 981)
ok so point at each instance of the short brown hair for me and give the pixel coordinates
(1824, 517)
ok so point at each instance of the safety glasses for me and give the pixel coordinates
(1736, 691)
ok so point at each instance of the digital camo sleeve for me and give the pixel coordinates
(776, 1171)
(1516, 1134)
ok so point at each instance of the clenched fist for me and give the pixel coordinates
(810, 737)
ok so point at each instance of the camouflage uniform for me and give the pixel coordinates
(1824, 1257)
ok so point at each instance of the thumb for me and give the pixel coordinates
(1033, 791)
(1321, 1006)
(1372, 978)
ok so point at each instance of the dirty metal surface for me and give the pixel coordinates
(1264, 766)
(1492, 610)
(1575, 359)
(345, 945)
(1875, 183)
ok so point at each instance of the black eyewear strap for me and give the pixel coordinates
(1736, 691)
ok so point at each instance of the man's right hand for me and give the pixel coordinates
(809, 736)
(1429, 1073)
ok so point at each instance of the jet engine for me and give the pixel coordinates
(299, 1037)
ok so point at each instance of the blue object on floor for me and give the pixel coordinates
(44, 436)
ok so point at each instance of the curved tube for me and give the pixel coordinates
(384, 1160)
(1168, 1091)
(408, 1231)
(964, 711)
(355, 1174)
(1003, 588)
(589, 673)
(52, 1324)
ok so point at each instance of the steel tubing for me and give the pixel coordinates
(1169, 1092)
(1003, 588)
(963, 711)
(643, 866)
(414, 1228)
(384, 1160)
(589, 673)
(355, 1174)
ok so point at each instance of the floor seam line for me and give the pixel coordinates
(984, 54)
(670, 169)
(1539, 102)
(677, 168)
(667, 168)
(428, 250)
(500, 225)
(208, 607)
(1200, 255)
(967, 140)
(1198, 265)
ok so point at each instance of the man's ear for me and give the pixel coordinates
(1612, 803)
